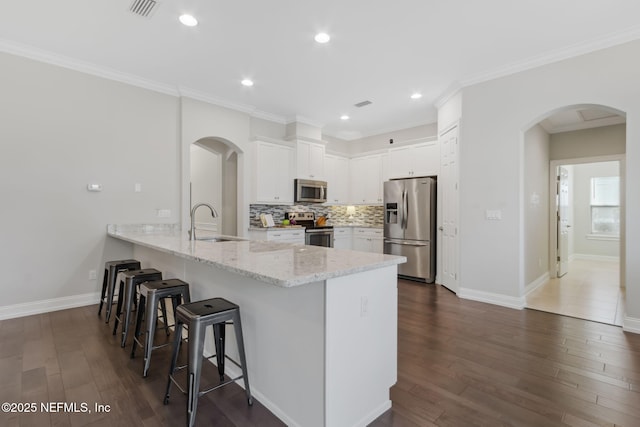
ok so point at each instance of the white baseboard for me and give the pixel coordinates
(590, 257)
(497, 299)
(631, 324)
(45, 306)
(536, 283)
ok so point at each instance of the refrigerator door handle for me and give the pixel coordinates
(405, 207)
(405, 243)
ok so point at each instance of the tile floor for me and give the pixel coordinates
(590, 290)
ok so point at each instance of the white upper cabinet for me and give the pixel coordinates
(414, 160)
(310, 160)
(366, 180)
(274, 178)
(337, 173)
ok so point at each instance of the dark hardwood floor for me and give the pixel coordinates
(460, 363)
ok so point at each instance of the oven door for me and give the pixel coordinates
(322, 238)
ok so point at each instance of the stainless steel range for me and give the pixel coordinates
(316, 235)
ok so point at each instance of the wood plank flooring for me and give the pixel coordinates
(460, 363)
(465, 363)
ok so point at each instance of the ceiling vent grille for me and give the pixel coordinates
(143, 8)
(362, 104)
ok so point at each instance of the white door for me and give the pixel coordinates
(448, 188)
(563, 221)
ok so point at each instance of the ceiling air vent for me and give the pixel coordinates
(362, 104)
(143, 8)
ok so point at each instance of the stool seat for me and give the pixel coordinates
(152, 293)
(215, 312)
(129, 282)
(111, 270)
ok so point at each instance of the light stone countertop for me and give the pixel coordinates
(279, 264)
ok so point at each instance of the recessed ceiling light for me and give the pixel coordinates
(188, 20)
(344, 117)
(322, 37)
(416, 96)
(247, 82)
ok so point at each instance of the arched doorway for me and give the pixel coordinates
(213, 179)
(577, 143)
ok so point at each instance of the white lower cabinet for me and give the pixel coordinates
(368, 240)
(285, 235)
(342, 238)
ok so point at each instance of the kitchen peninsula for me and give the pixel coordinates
(320, 324)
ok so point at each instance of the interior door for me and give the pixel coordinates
(448, 183)
(563, 221)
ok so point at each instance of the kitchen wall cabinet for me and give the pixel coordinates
(414, 160)
(342, 237)
(274, 177)
(337, 173)
(310, 160)
(366, 181)
(284, 235)
(368, 240)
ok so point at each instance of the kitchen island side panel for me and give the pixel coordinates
(283, 333)
(361, 346)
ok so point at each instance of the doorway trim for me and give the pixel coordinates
(553, 240)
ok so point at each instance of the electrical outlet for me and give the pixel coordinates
(137, 188)
(163, 213)
(92, 275)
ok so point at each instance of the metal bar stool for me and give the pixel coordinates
(152, 293)
(198, 315)
(129, 282)
(111, 270)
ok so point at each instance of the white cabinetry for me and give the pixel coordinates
(285, 235)
(342, 238)
(368, 240)
(274, 179)
(337, 173)
(414, 160)
(366, 180)
(310, 160)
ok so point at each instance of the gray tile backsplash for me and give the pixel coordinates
(365, 215)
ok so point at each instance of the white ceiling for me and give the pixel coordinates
(380, 51)
(581, 118)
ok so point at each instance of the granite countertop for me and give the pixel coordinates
(357, 226)
(279, 264)
(277, 227)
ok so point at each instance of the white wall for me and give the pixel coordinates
(583, 244)
(381, 142)
(494, 116)
(536, 203)
(602, 141)
(206, 185)
(59, 131)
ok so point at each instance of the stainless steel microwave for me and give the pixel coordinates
(309, 191)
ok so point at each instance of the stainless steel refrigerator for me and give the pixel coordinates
(410, 225)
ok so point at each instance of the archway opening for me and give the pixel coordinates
(214, 180)
(588, 142)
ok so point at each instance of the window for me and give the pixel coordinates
(605, 205)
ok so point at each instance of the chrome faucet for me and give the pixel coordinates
(192, 231)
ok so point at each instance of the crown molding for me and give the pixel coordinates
(259, 114)
(200, 96)
(40, 55)
(303, 120)
(578, 49)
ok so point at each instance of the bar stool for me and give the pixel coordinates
(129, 282)
(152, 293)
(198, 315)
(111, 270)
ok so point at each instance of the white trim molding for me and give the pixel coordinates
(631, 324)
(48, 305)
(544, 278)
(517, 303)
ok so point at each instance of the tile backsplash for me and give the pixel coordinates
(337, 215)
